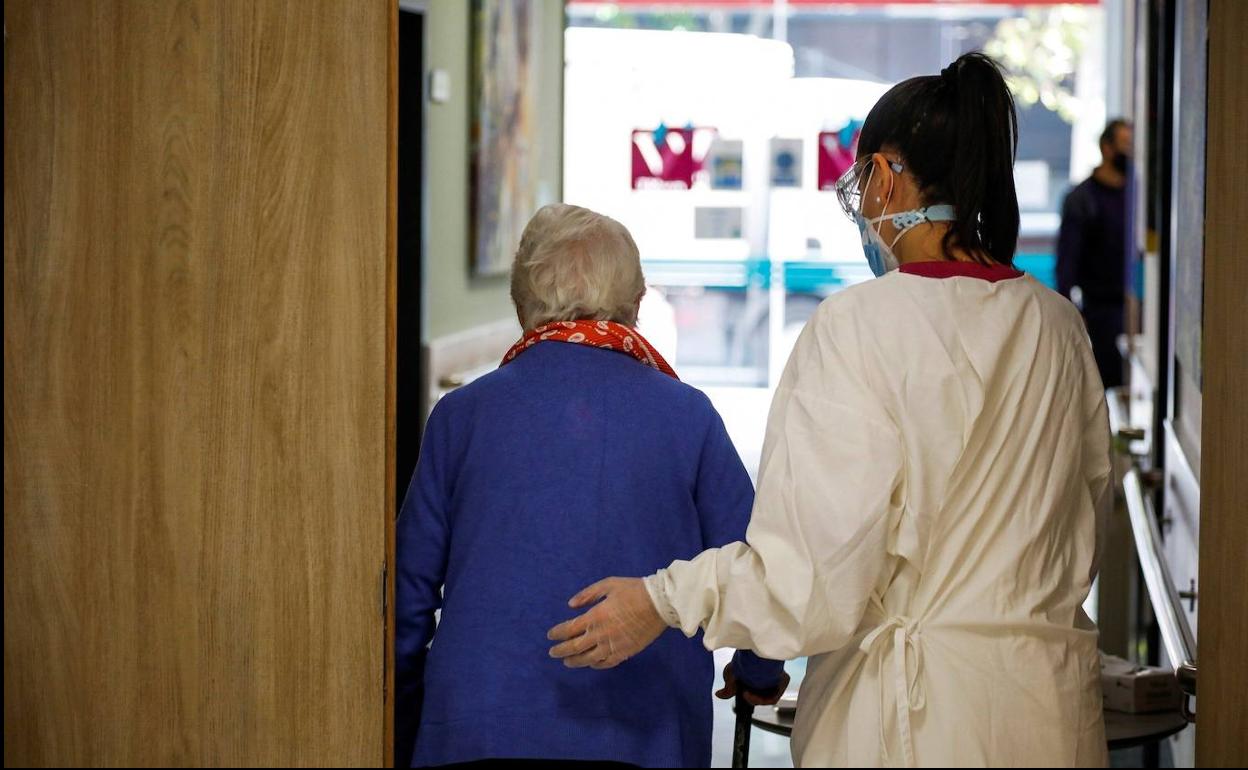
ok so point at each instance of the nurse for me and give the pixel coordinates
(935, 466)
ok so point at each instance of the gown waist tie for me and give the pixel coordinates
(907, 683)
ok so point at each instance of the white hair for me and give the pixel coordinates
(575, 264)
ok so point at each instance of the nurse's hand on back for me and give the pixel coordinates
(611, 632)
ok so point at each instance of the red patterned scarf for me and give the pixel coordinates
(597, 334)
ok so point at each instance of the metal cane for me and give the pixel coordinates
(741, 738)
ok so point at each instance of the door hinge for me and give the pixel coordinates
(383, 601)
(385, 636)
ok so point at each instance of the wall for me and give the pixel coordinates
(456, 301)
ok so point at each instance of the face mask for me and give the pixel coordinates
(1121, 162)
(880, 256)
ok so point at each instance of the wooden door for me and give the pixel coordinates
(1222, 720)
(196, 204)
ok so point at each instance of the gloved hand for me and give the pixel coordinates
(623, 624)
(731, 686)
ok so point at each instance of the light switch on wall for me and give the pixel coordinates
(440, 86)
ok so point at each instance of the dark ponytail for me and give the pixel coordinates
(957, 132)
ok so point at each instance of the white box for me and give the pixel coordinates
(1137, 689)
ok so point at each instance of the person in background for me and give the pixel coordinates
(1091, 249)
(581, 454)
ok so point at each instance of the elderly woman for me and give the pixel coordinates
(583, 454)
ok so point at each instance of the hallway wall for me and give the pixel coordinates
(456, 300)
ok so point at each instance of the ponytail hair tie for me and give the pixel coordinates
(950, 75)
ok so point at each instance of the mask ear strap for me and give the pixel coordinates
(887, 200)
(865, 188)
(896, 169)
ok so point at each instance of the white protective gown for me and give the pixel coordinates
(935, 468)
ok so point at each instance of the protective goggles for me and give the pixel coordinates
(853, 182)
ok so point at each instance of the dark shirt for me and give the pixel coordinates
(1091, 244)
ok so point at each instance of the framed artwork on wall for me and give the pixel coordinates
(505, 134)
